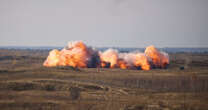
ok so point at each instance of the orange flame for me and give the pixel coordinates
(110, 56)
(53, 58)
(142, 61)
(159, 59)
(77, 54)
(122, 64)
(136, 60)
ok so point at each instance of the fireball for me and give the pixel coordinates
(77, 54)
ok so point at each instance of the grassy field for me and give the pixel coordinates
(26, 85)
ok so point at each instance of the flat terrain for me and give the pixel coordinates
(26, 85)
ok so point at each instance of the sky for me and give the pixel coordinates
(104, 23)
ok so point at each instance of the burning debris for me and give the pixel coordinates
(77, 54)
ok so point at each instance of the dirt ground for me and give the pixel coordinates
(26, 85)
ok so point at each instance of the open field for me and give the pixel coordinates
(26, 85)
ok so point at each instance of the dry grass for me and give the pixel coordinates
(26, 85)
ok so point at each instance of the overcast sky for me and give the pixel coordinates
(118, 23)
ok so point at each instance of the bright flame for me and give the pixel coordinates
(122, 64)
(53, 58)
(136, 60)
(142, 61)
(110, 56)
(159, 59)
(77, 54)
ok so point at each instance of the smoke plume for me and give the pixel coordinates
(77, 54)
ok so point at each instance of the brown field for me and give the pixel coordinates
(26, 85)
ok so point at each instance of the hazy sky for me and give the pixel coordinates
(119, 23)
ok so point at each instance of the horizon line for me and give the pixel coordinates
(98, 47)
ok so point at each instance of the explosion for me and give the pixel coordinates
(77, 54)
